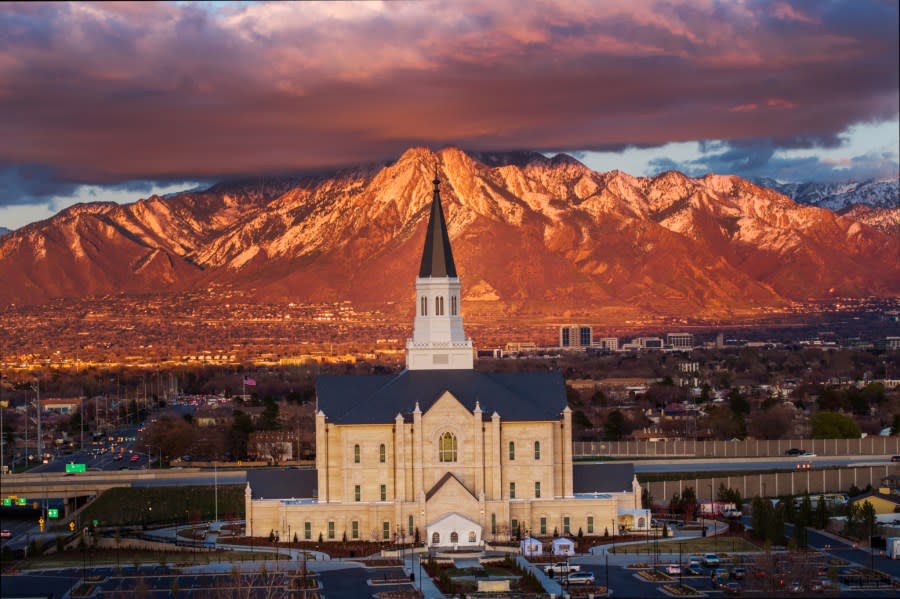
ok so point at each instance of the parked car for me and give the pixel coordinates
(895, 458)
(135, 458)
(738, 573)
(710, 559)
(673, 569)
(5, 534)
(117, 457)
(695, 560)
(581, 578)
(561, 568)
(732, 588)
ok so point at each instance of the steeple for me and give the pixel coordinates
(439, 341)
(437, 257)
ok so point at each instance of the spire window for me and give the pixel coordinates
(424, 302)
(439, 305)
(453, 308)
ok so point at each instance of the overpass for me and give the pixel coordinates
(77, 489)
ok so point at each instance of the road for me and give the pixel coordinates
(736, 464)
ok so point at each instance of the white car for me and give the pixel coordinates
(673, 569)
(710, 559)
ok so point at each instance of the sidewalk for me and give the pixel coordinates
(423, 581)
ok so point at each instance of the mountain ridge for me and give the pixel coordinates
(531, 235)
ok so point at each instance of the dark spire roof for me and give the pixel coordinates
(437, 258)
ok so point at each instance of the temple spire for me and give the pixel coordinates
(437, 257)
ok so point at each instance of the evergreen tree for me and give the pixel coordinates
(820, 520)
(804, 517)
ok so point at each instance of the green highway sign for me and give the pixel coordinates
(75, 467)
(21, 501)
(52, 512)
(7, 502)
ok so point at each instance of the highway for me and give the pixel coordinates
(734, 464)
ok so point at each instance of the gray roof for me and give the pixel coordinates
(437, 258)
(519, 396)
(602, 478)
(283, 483)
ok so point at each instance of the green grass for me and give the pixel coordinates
(132, 506)
(128, 557)
(701, 545)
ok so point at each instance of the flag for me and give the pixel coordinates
(249, 382)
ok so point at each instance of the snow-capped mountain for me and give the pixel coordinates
(877, 193)
(532, 236)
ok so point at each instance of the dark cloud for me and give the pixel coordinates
(104, 93)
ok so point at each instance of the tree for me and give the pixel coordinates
(804, 516)
(614, 427)
(831, 425)
(773, 423)
(820, 518)
(737, 403)
(728, 495)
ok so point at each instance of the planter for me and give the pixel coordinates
(681, 590)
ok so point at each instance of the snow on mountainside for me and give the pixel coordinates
(531, 235)
(878, 193)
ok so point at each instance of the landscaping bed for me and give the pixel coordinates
(639, 566)
(381, 563)
(404, 594)
(681, 590)
(654, 576)
(585, 592)
(452, 581)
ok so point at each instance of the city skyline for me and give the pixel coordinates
(119, 101)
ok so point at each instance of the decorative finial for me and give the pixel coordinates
(436, 181)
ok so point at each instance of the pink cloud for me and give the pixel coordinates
(106, 92)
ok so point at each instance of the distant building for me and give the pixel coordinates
(680, 340)
(60, 405)
(644, 343)
(608, 343)
(888, 344)
(575, 335)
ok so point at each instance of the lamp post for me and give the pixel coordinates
(613, 525)
(606, 569)
(680, 563)
(715, 522)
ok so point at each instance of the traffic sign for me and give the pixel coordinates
(53, 512)
(71, 525)
(70, 467)
(7, 501)
(21, 501)
(95, 522)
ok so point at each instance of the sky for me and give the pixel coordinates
(118, 101)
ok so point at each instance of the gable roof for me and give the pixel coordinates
(518, 396)
(439, 485)
(602, 478)
(437, 257)
(283, 483)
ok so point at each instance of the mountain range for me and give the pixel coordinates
(532, 236)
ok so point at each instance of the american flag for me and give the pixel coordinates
(249, 382)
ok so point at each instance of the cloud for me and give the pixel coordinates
(105, 93)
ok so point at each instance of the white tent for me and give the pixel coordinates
(563, 546)
(530, 546)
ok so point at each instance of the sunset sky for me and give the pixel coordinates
(117, 101)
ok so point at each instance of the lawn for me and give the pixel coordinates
(688, 547)
(128, 557)
(125, 506)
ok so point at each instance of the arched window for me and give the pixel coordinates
(448, 447)
(537, 450)
(424, 303)
(356, 454)
(471, 536)
(439, 305)
(512, 451)
(640, 523)
(454, 537)
(382, 454)
(435, 539)
(453, 308)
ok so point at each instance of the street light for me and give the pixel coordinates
(715, 522)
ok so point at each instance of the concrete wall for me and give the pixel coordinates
(775, 484)
(739, 449)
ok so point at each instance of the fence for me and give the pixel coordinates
(750, 448)
(793, 482)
